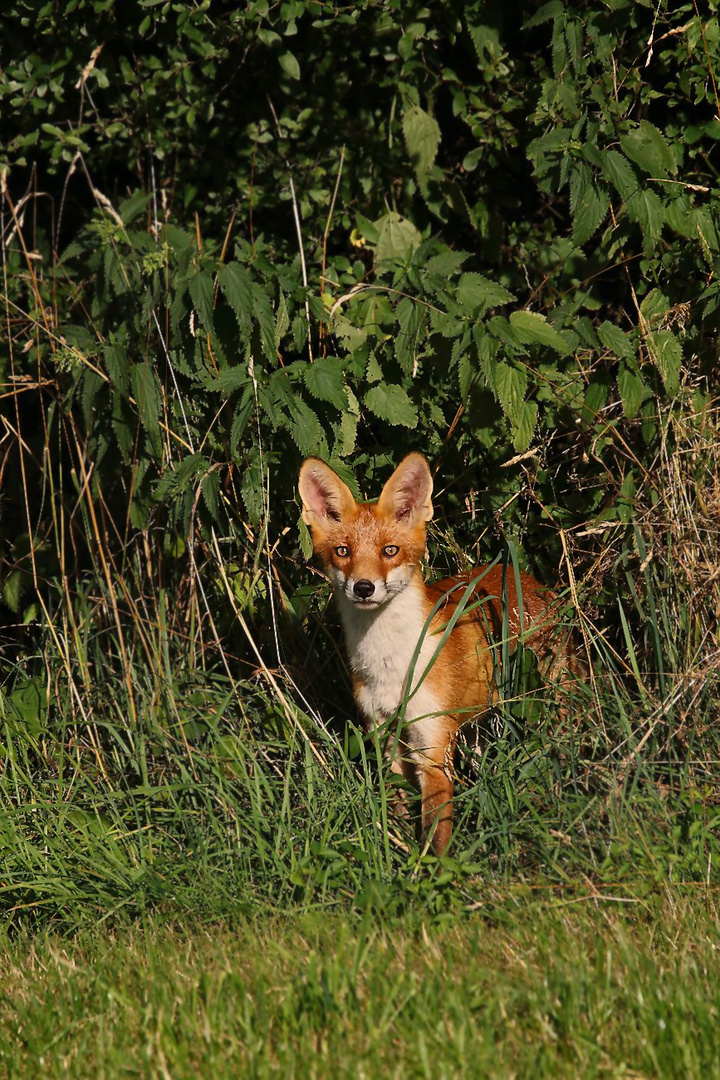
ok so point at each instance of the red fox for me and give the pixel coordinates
(372, 552)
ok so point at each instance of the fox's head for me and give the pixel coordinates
(371, 551)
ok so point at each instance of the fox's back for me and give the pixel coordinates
(466, 667)
(495, 588)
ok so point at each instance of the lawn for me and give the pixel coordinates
(554, 983)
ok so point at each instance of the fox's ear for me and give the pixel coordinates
(323, 494)
(407, 494)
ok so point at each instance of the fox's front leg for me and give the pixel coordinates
(433, 770)
(436, 789)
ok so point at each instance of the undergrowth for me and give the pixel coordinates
(147, 768)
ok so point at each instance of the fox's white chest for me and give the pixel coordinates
(381, 646)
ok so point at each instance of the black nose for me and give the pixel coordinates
(364, 589)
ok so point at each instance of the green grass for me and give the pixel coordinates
(543, 985)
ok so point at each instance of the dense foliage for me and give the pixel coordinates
(237, 234)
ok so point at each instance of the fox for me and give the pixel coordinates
(425, 647)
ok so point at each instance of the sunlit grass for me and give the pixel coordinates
(546, 985)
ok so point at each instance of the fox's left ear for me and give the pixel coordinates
(407, 494)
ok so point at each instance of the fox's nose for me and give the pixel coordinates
(364, 589)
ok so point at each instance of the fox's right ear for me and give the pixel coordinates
(324, 495)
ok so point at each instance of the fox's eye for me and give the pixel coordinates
(390, 550)
(342, 552)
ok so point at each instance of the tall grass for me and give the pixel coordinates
(142, 771)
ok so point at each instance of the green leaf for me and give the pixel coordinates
(574, 38)
(202, 292)
(559, 48)
(243, 412)
(594, 401)
(447, 263)
(132, 207)
(210, 487)
(229, 379)
(510, 385)
(524, 426)
(647, 147)
(237, 285)
(533, 328)
(282, 320)
(589, 204)
(183, 479)
(117, 365)
(474, 291)
(465, 368)
(626, 498)
(263, 312)
(501, 329)
(289, 64)
(392, 403)
(29, 703)
(11, 588)
(616, 340)
(91, 383)
(449, 325)
(618, 170)
(251, 489)
(410, 316)
(486, 40)
(123, 423)
(325, 380)
(654, 307)
(148, 398)
(647, 210)
(681, 216)
(352, 337)
(666, 353)
(368, 230)
(633, 390)
(299, 332)
(552, 10)
(373, 371)
(422, 139)
(396, 237)
(306, 429)
(706, 229)
(347, 430)
(580, 185)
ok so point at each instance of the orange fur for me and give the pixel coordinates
(372, 553)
